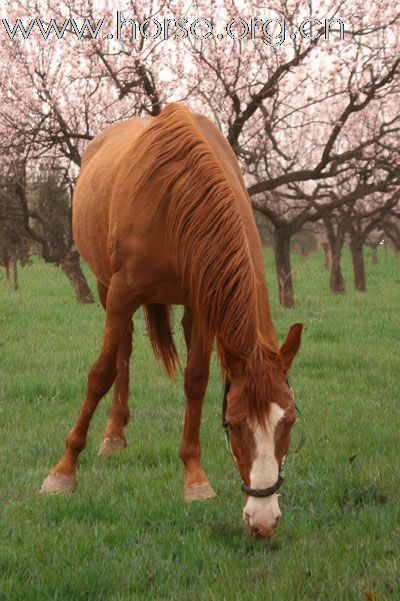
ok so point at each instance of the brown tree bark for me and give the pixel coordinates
(7, 266)
(70, 265)
(336, 243)
(66, 257)
(328, 255)
(15, 272)
(336, 280)
(358, 236)
(357, 256)
(283, 267)
(374, 252)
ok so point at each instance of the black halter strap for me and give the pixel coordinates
(225, 404)
(263, 492)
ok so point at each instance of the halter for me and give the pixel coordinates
(258, 492)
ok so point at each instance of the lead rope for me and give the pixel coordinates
(284, 469)
(224, 424)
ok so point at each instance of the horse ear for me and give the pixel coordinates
(289, 348)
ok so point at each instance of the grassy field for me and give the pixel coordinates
(126, 534)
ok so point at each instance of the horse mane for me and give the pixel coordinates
(260, 377)
(205, 234)
(204, 230)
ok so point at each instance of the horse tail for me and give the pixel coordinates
(158, 322)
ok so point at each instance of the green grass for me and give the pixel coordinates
(126, 534)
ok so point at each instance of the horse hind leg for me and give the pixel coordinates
(120, 308)
(197, 486)
(114, 437)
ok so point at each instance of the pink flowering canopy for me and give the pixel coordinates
(304, 110)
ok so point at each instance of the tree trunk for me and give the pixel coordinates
(336, 242)
(357, 239)
(283, 267)
(71, 267)
(374, 250)
(7, 266)
(15, 272)
(336, 280)
(328, 255)
(357, 256)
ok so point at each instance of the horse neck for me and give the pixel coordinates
(266, 330)
(266, 336)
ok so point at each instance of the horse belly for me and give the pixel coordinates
(90, 223)
(93, 195)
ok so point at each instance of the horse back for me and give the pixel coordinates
(115, 226)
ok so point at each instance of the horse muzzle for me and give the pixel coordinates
(259, 529)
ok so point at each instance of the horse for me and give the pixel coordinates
(162, 217)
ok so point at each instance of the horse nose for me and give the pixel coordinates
(260, 530)
(275, 524)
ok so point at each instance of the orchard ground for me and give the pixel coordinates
(126, 533)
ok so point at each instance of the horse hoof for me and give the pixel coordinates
(198, 492)
(112, 445)
(59, 483)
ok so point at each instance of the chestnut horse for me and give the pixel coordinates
(162, 217)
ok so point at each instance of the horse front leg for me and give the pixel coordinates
(120, 308)
(196, 485)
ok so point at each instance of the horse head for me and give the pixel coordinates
(259, 412)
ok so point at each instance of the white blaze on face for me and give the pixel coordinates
(264, 471)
